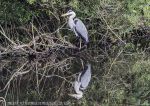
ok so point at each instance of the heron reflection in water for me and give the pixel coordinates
(77, 26)
(82, 82)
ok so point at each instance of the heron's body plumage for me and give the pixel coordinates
(77, 26)
(81, 29)
(82, 82)
(85, 78)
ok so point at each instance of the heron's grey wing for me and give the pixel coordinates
(81, 29)
(85, 78)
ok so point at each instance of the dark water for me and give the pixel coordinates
(48, 77)
(38, 78)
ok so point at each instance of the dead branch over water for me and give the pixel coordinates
(45, 57)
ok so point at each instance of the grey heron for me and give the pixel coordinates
(82, 82)
(77, 26)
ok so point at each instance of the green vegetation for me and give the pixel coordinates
(13, 12)
(39, 60)
(138, 12)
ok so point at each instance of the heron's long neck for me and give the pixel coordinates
(72, 16)
(71, 21)
(79, 92)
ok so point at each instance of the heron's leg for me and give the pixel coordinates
(80, 43)
(82, 63)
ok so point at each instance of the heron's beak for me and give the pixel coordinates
(63, 15)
